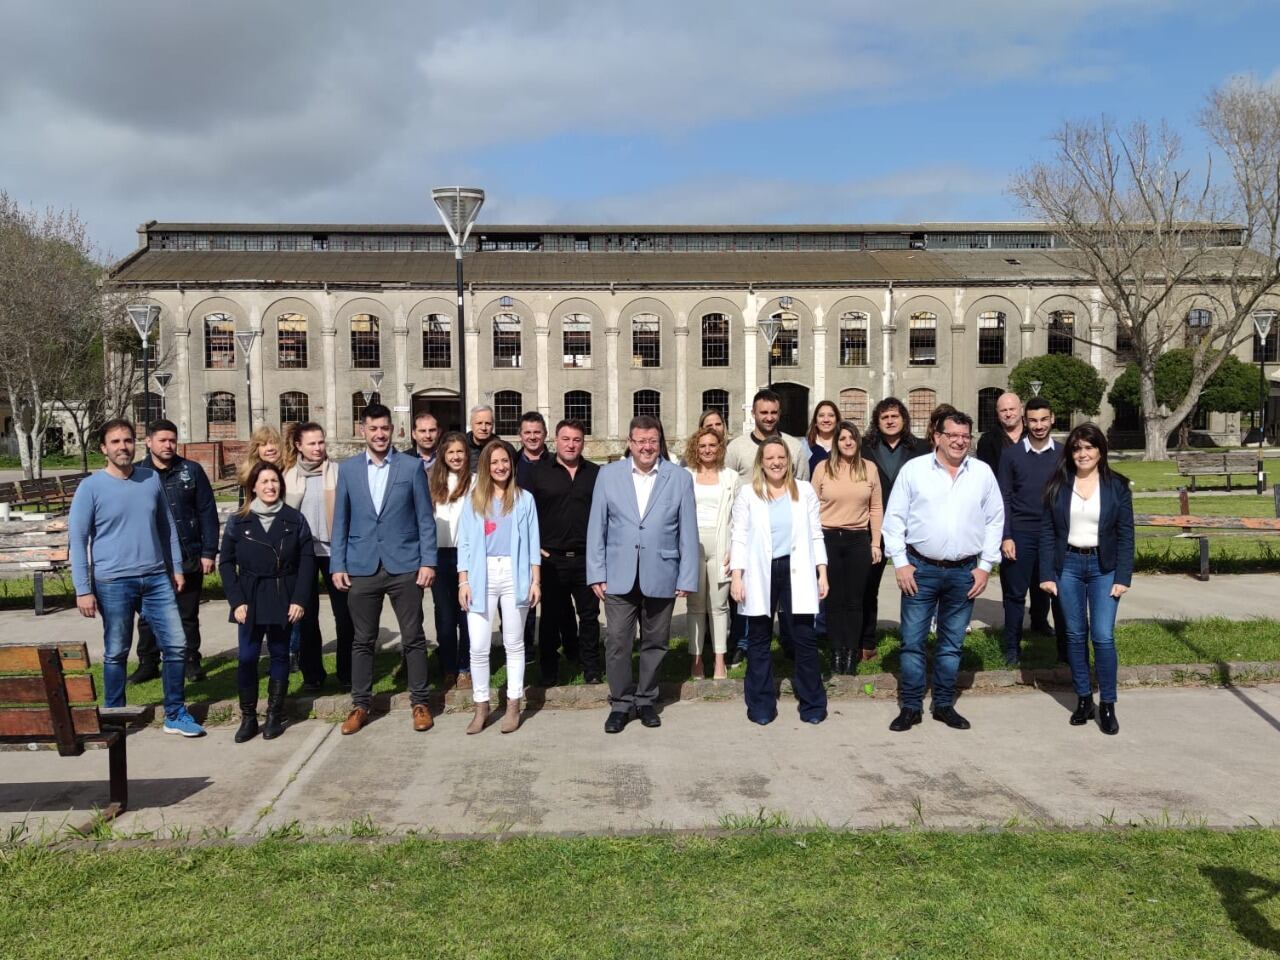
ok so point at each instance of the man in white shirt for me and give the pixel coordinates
(942, 532)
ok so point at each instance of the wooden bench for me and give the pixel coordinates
(1188, 524)
(35, 547)
(42, 703)
(1201, 464)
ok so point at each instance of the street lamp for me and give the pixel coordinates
(1035, 387)
(162, 381)
(1262, 321)
(408, 402)
(144, 317)
(769, 330)
(458, 208)
(245, 338)
(376, 379)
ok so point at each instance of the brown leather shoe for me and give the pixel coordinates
(422, 721)
(356, 719)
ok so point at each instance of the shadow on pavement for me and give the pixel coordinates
(1241, 894)
(1179, 629)
(87, 794)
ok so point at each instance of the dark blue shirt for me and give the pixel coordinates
(1022, 476)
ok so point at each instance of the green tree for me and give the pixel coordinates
(1068, 383)
(1233, 387)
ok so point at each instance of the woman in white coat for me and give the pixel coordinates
(779, 563)
(499, 564)
(714, 490)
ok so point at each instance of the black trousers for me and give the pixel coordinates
(848, 565)
(311, 644)
(189, 610)
(871, 600)
(365, 603)
(564, 589)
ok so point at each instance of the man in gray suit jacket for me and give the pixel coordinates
(384, 545)
(642, 553)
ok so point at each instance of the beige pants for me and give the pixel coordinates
(711, 601)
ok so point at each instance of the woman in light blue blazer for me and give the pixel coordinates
(499, 566)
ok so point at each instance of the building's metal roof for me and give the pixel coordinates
(499, 229)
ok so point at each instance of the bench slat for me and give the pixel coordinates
(31, 689)
(1264, 524)
(36, 722)
(25, 658)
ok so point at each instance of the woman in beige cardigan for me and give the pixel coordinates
(714, 489)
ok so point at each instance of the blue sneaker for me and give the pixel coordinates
(183, 724)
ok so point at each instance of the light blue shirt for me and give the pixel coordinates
(127, 525)
(497, 526)
(378, 474)
(780, 526)
(944, 518)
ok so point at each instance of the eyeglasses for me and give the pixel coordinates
(958, 437)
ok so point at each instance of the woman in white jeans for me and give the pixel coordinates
(499, 566)
(714, 489)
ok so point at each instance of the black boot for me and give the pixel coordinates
(248, 717)
(1107, 718)
(1083, 712)
(275, 709)
(147, 670)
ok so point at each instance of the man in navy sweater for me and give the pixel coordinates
(1025, 469)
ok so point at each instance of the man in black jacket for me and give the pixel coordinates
(195, 517)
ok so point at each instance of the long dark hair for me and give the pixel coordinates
(251, 481)
(812, 434)
(873, 438)
(1064, 475)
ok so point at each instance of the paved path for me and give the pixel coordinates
(1187, 755)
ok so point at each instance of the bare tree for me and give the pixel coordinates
(1163, 245)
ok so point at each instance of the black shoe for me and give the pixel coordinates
(275, 709)
(905, 720)
(592, 678)
(248, 718)
(649, 717)
(313, 686)
(851, 658)
(147, 670)
(618, 719)
(952, 719)
(839, 660)
(195, 673)
(1083, 713)
(1107, 719)
(736, 656)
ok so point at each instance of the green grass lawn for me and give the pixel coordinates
(60, 461)
(766, 894)
(1163, 475)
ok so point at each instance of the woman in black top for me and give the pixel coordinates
(268, 572)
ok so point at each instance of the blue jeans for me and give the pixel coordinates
(942, 590)
(277, 637)
(1081, 583)
(759, 691)
(119, 601)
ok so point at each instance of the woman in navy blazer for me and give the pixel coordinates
(268, 570)
(1088, 531)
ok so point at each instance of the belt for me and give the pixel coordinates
(844, 531)
(565, 553)
(945, 564)
(1084, 550)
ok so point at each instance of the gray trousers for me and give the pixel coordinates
(364, 601)
(654, 614)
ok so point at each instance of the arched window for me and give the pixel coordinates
(219, 342)
(922, 340)
(646, 340)
(508, 340)
(987, 398)
(1062, 326)
(717, 400)
(1125, 350)
(646, 403)
(295, 407)
(853, 338)
(1199, 323)
(853, 406)
(991, 337)
(786, 348)
(920, 403)
(291, 341)
(715, 340)
(437, 342)
(507, 407)
(577, 406)
(366, 342)
(575, 332)
(360, 400)
(220, 415)
(146, 407)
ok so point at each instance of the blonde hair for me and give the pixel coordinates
(758, 482)
(691, 457)
(482, 495)
(265, 435)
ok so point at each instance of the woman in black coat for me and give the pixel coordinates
(268, 572)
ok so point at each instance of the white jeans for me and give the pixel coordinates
(501, 586)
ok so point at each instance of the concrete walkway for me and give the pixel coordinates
(1183, 756)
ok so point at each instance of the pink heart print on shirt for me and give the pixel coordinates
(489, 527)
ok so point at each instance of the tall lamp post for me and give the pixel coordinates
(769, 330)
(144, 317)
(376, 378)
(408, 402)
(1262, 321)
(1036, 386)
(458, 208)
(162, 381)
(245, 338)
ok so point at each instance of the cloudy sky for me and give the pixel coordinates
(568, 111)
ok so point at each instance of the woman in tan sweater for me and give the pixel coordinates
(851, 509)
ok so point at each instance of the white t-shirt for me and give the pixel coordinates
(1085, 514)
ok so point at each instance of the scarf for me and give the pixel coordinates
(265, 514)
(309, 468)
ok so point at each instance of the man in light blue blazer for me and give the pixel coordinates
(384, 545)
(642, 553)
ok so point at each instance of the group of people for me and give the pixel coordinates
(762, 527)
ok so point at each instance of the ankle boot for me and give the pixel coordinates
(275, 709)
(248, 717)
(511, 720)
(839, 661)
(1083, 712)
(1107, 718)
(480, 719)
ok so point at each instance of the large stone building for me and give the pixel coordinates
(601, 322)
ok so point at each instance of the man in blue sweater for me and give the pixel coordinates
(1025, 469)
(125, 560)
